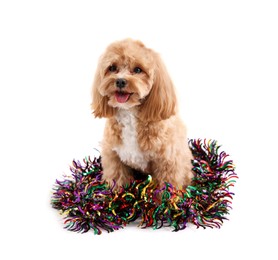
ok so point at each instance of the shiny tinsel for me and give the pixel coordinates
(89, 203)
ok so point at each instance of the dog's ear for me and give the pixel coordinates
(99, 104)
(160, 104)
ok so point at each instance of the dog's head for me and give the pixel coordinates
(129, 75)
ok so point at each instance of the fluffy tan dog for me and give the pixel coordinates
(132, 88)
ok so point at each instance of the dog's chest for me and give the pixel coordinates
(129, 151)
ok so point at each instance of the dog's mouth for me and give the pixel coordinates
(122, 97)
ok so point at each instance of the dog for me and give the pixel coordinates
(144, 132)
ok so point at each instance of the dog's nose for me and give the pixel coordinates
(121, 83)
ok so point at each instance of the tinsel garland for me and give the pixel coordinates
(87, 202)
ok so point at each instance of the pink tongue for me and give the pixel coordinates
(122, 97)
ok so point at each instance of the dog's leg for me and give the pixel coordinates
(115, 169)
(178, 173)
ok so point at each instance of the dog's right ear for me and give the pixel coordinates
(99, 104)
(160, 104)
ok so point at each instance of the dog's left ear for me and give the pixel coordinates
(160, 104)
(99, 104)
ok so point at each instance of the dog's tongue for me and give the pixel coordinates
(122, 97)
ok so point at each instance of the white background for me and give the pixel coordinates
(223, 59)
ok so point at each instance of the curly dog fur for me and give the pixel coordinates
(134, 91)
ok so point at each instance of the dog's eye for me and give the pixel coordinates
(112, 68)
(137, 70)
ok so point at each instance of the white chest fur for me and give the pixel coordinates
(129, 150)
